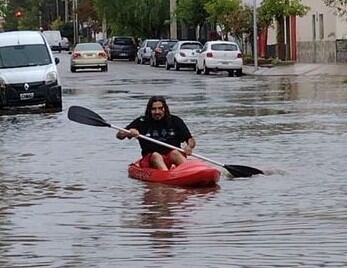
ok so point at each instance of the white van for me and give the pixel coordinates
(54, 40)
(28, 71)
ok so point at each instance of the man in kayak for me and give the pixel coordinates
(159, 124)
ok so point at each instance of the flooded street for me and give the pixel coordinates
(66, 199)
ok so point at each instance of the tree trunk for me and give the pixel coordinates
(281, 51)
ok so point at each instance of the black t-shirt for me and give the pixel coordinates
(172, 131)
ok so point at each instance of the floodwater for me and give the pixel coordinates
(66, 199)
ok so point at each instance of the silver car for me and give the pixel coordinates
(183, 54)
(88, 55)
(144, 51)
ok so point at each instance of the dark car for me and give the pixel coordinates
(121, 47)
(158, 56)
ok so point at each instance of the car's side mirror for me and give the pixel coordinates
(56, 60)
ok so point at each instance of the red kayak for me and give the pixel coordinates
(192, 173)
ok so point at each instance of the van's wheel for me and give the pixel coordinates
(104, 68)
(73, 69)
(167, 66)
(238, 72)
(231, 73)
(54, 98)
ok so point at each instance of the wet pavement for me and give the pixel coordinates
(66, 199)
(299, 69)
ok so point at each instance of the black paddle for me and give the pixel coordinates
(85, 116)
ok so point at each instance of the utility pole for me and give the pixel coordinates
(173, 23)
(57, 8)
(75, 21)
(255, 35)
(66, 13)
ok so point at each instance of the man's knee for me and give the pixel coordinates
(174, 154)
(156, 157)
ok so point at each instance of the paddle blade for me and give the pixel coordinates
(242, 171)
(85, 116)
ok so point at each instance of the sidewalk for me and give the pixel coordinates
(303, 69)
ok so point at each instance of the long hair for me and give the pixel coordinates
(148, 113)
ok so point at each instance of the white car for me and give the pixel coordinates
(220, 56)
(183, 54)
(145, 50)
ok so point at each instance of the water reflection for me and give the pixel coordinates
(39, 109)
(165, 211)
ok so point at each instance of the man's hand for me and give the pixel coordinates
(188, 150)
(133, 133)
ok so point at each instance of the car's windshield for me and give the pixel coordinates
(225, 47)
(123, 41)
(191, 46)
(24, 55)
(152, 44)
(167, 44)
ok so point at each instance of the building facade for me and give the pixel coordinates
(321, 35)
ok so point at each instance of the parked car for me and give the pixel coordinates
(88, 55)
(144, 52)
(54, 40)
(121, 47)
(183, 54)
(158, 55)
(28, 71)
(220, 56)
(65, 44)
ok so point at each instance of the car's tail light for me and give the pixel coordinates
(102, 54)
(158, 50)
(76, 55)
(182, 54)
(239, 55)
(209, 55)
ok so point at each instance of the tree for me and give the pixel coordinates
(143, 18)
(339, 5)
(229, 15)
(278, 10)
(192, 13)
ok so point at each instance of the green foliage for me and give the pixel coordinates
(192, 12)
(144, 18)
(278, 8)
(339, 5)
(57, 24)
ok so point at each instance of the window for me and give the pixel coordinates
(23, 56)
(225, 47)
(321, 26)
